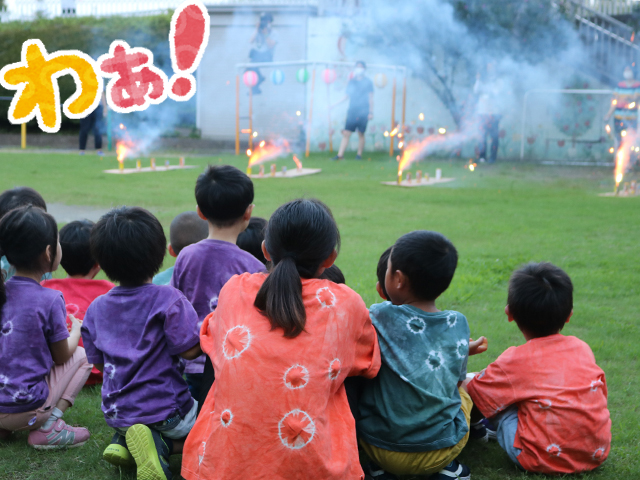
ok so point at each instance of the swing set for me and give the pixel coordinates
(329, 75)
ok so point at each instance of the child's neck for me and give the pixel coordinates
(226, 234)
(424, 305)
(37, 276)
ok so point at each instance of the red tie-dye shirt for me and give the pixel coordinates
(561, 395)
(278, 408)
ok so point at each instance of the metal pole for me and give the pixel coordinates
(329, 117)
(251, 118)
(404, 101)
(313, 84)
(109, 130)
(393, 117)
(237, 114)
(23, 136)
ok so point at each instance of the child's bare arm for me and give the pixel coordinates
(193, 352)
(63, 350)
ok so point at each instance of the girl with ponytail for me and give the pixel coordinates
(42, 369)
(281, 345)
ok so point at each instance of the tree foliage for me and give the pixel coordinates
(446, 42)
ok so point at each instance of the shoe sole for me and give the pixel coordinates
(119, 456)
(57, 447)
(143, 449)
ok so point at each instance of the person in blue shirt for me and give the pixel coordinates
(187, 228)
(413, 418)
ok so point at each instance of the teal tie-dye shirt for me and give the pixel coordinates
(414, 405)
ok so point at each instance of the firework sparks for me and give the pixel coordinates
(267, 151)
(623, 156)
(298, 162)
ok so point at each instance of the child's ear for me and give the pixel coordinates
(172, 252)
(508, 313)
(200, 214)
(265, 253)
(95, 270)
(380, 292)
(569, 317)
(248, 212)
(330, 260)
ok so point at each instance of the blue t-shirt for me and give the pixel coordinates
(414, 405)
(164, 278)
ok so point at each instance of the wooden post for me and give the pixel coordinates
(393, 117)
(329, 116)
(404, 105)
(313, 84)
(23, 136)
(109, 130)
(237, 114)
(251, 118)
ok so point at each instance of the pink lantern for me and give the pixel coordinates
(329, 75)
(250, 78)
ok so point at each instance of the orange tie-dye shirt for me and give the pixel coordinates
(278, 408)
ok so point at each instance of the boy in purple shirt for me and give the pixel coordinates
(137, 335)
(225, 199)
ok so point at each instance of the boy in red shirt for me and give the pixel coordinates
(79, 288)
(548, 396)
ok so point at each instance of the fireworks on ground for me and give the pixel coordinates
(623, 155)
(267, 151)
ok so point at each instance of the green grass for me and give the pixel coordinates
(498, 217)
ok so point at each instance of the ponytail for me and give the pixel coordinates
(280, 297)
(299, 237)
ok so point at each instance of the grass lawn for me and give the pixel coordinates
(498, 217)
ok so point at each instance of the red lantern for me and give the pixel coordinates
(250, 78)
(329, 75)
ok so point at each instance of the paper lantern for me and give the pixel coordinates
(277, 77)
(302, 75)
(329, 75)
(380, 80)
(250, 78)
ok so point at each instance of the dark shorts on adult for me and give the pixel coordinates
(356, 122)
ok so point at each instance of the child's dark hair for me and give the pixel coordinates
(300, 236)
(540, 298)
(20, 197)
(186, 229)
(333, 274)
(381, 270)
(428, 259)
(25, 233)
(76, 250)
(223, 194)
(251, 239)
(129, 244)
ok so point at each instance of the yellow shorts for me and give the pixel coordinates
(420, 463)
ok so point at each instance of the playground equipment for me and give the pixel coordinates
(329, 75)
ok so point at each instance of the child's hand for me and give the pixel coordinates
(75, 323)
(478, 346)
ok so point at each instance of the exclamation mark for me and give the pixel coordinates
(188, 38)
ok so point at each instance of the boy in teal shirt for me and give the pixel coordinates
(413, 418)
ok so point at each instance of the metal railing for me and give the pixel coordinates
(611, 7)
(610, 44)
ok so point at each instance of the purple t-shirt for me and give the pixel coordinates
(138, 333)
(201, 271)
(33, 318)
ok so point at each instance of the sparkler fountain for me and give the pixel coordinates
(266, 151)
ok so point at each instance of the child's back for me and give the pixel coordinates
(424, 357)
(282, 345)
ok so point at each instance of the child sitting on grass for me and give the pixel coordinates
(282, 345)
(186, 229)
(42, 369)
(80, 287)
(225, 200)
(413, 418)
(251, 239)
(548, 396)
(137, 335)
(14, 198)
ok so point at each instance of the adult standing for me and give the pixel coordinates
(360, 96)
(263, 43)
(624, 106)
(488, 89)
(93, 123)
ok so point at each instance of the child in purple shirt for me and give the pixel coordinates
(137, 335)
(42, 369)
(225, 199)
